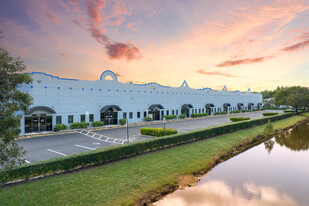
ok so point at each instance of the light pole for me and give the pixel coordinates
(127, 124)
(164, 120)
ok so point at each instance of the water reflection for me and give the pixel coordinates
(295, 139)
(213, 193)
(269, 145)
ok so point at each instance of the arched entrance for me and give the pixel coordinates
(39, 119)
(240, 106)
(185, 109)
(259, 106)
(154, 111)
(250, 106)
(226, 107)
(209, 108)
(109, 114)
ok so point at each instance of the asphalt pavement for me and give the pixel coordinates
(47, 147)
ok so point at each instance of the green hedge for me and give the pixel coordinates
(170, 116)
(97, 124)
(182, 116)
(199, 115)
(235, 111)
(157, 132)
(123, 121)
(246, 110)
(77, 125)
(270, 113)
(255, 109)
(223, 112)
(217, 113)
(113, 153)
(238, 119)
(59, 127)
(147, 119)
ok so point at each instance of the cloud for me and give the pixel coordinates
(229, 63)
(216, 73)
(119, 50)
(65, 57)
(131, 27)
(296, 47)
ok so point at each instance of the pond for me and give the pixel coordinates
(275, 172)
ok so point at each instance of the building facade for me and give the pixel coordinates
(64, 101)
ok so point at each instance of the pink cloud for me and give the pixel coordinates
(65, 57)
(216, 73)
(242, 61)
(131, 27)
(304, 42)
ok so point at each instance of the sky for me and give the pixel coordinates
(257, 44)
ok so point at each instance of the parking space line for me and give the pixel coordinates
(77, 145)
(108, 139)
(56, 152)
(27, 161)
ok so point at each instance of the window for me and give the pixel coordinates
(176, 112)
(131, 115)
(70, 119)
(173, 112)
(145, 114)
(82, 118)
(124, 115)
(91, 117)
(162, 113)
(138, 115)
(199, 110)
(167, 112)
(195, 110)
(58, 119)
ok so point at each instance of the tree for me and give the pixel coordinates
(12, 102)
(293, 96)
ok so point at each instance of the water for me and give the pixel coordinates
(275, 172)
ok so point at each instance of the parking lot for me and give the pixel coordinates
(47, 147)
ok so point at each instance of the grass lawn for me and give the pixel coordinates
(123, 182)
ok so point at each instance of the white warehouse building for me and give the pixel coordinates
(64, 101)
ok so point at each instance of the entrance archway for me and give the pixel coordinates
(226, 107)
(250, 106)
(209, 108)
(109, 114)
(240, 106)
(185, 109)
(39, 119)
(154, 111)
(259, 106)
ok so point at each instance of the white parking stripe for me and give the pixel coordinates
(27, 161)
(57, 152)
(77, 145)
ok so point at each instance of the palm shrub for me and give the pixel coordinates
(182, 116)
(122, 121)
(269, 128)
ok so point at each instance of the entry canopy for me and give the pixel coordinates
(250, 104)
(153, 106)
(186, 106)
(210, 105)
(226, 105)
(240, 104)
(107, 107)
(40, 108)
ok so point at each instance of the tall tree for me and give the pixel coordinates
(12, 102)
(296, 96)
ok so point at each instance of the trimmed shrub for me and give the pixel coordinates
(256, 109)
(199, 115)
(59, 127)
(97, 124)
(286, 111)
(182, 116)
(113, 153)
(147, 119)
(238, 119)
(122, 121)
(217, 113)
(235, 111)
(77, 125)
(157, 132)
(170, 116)
(223, 112)
(246, 110)
(270, 114)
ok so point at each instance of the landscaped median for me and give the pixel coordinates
(125, 182)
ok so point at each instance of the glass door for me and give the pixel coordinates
(42, 124)
(35, 124)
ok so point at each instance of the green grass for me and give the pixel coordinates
(123, 182)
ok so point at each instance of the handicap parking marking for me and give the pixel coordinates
(56, 152)
(85, 147)
(108, 139)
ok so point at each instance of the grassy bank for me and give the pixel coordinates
(126, 181)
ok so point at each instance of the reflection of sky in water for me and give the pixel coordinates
(255, 177)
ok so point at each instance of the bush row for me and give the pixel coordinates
(199, 115)
(147, 119)
(77, 125)
(246, 110)
(113, 153)
(256, 109)
(223, 112)
(157, 132)
(270, 113)
(238, 119)
(235, 111)
(170, 116)
(97, 124)
(59, 127)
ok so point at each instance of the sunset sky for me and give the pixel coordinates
(237, 43)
